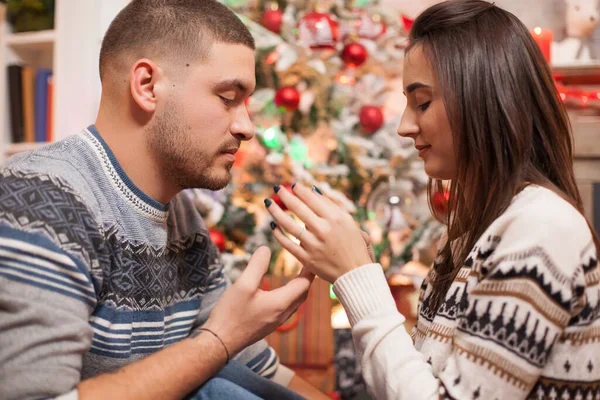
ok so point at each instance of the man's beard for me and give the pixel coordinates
(182, 162)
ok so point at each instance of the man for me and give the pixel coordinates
(105, 265)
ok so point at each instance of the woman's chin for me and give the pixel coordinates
(437, 171)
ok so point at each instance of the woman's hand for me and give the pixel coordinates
(331, 244)
(246, 314)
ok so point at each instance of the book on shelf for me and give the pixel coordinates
(15, 94)
(30, 103)
(42, 110)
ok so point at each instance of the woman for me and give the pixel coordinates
(510, 307)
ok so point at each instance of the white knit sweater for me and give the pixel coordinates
(521, 319)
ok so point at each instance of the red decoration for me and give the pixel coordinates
(362, 24)
(218, 238)
(544, 38)
(440, 202)
(354, 54)
(240, 158)
(371, 118)
(272, 20)
(578, 98)
(318, 30)
(407, 22)
(371, 26)
(287, 97)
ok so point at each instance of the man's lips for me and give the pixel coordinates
(232, 150)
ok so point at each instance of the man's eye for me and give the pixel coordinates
(226, 100)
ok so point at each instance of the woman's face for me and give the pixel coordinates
(425, 119)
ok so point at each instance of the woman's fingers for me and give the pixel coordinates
(298, 207)
(315, 200)
(367, 238)
(295, 249)
(284, 220)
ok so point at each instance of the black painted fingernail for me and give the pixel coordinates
(316, 189)
(276, 188)
(293, 186)
(268, 202)
(273, 225)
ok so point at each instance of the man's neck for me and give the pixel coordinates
(127, 140)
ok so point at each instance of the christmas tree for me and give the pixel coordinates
(326, 110)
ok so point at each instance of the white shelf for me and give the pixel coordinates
(14, 148)
(71, 50)
(31, 40)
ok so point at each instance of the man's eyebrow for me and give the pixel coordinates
(232, 84)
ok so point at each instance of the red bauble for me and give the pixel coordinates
(318, 30)
(439, 202)
(272, 20)
(354, 54)
(278, 201)
(287, 97)
(371, 118)
(218, 238)
(407, 22)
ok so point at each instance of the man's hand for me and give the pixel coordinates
(246, 314)
(242, 316)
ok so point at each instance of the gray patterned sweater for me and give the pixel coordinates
(94, 274)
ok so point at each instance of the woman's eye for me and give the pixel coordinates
(424, 106)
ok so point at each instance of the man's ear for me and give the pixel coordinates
(145, 78)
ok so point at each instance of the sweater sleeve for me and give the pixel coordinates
(45, 301)
(391, 367)
(515, 305)
(47, 290)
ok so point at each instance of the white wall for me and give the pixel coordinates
(80, 27)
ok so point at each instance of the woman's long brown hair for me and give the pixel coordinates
(509, 126)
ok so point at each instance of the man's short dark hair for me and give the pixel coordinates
(171, 29)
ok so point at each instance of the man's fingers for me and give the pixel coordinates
(306, 274)
(294, 291)
(257, 267)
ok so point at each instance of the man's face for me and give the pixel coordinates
(198, 129)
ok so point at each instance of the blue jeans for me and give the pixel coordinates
(219, 388)
(236, 381)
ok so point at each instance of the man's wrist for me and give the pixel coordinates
(220, 341)
(213, 338)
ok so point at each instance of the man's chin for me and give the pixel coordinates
(216, 181)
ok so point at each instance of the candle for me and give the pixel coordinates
(544, 38)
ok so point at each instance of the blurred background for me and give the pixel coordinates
(326, 110)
